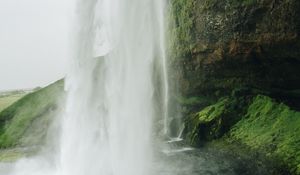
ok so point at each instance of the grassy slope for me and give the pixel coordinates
(265, 126)
(272, 128)
(25, 122)
(7, 100)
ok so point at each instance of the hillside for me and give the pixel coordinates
(234, 75)
(6, 99)
(26, 121)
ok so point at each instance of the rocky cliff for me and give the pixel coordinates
(223, 45)
(227, 56)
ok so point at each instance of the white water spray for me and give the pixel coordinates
(107, 127)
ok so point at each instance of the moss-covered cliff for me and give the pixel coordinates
(259, 123)
(237, 68)
(272, 128)
(221, 45)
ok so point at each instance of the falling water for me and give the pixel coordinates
(109, 112)
(107, 127)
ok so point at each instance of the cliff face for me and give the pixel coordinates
(224, 45)
(228, 55)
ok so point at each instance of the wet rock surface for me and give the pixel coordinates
(222, 45)
(238, 50)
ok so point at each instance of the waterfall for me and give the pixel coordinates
(116, 119)
(107, 127)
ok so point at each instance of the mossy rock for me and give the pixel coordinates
(194, 103)
(215, 120)
(258, 123)
(272, 128)
(219, 45)
(206, 124)
(182, 19)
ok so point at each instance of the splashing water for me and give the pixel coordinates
(107, 125)
(110, 105)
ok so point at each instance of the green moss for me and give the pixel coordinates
(255, 121)
(181, 40)
(211, 112)
(272, 128)
(237, 3)
(209, 123)
(187, 30)
(6, 101)
(208, 4)
(20, 116)
(211, 4)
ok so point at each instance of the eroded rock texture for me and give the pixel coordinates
(223, 45)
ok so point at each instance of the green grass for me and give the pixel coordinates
(272, 128)
(181, 39)
(26, 121)
(6, 101)
(259, 123)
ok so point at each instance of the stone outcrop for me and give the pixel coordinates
(223, 45)
(236, 64)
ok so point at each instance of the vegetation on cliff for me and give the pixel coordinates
(259, 123)
(26, 121)
(250, 45)
(272, 128)
(236, 66)
(223, 45)
(181, 27)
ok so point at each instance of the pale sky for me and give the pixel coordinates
(34, 42)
